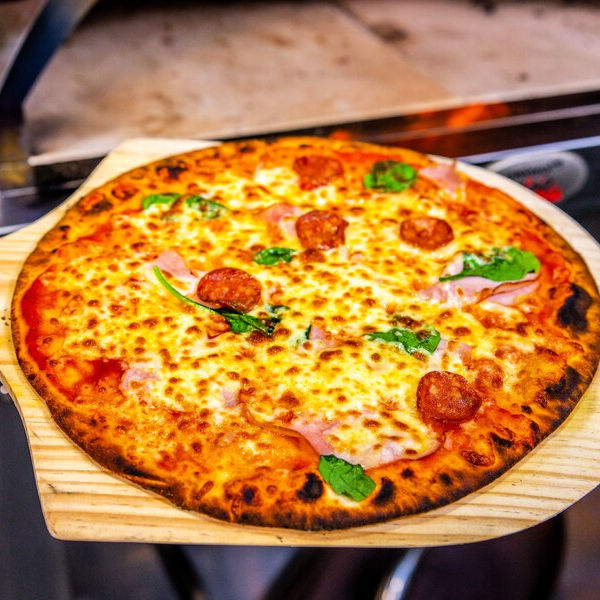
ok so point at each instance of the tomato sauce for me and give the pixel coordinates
(70, 375)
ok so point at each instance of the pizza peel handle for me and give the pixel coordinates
(82, 501)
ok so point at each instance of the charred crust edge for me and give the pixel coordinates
(311, 490)
(386, 492)
(563, 389)
(573, 312)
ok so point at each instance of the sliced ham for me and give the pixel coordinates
(138, 373)
(446, 176)
(508, 294)
(172, 262)
(315, 433)
(321, 337)
(449, 348)
(390, 452)
(230, 397)
(282, 215)
(470, 290)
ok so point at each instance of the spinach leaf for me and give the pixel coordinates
(410, 341)
(276, 309)
(390, 176)
(209, 209)
(299, 338)
(501, 264)
(239, 322)
(153, 199)
(306, 333)
(272, 256)
(345, 478)
(275, 315)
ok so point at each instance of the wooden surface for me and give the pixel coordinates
(81, 501)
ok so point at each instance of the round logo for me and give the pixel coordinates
(556, 176)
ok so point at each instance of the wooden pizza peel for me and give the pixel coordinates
(82, 501)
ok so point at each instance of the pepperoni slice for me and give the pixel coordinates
(320, 230)
(315, 171)
(232, 288)
(428, 233)
(447, 397)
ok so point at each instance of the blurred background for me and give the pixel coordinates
(510, 85)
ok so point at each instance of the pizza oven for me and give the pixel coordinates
(548, 142)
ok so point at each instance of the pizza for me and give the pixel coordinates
(305, 333)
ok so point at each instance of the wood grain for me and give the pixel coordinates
(82, 501)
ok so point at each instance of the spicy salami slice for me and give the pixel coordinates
(428, 233)
(447, 397)
(321, 230)
(315, 171)
(230, 287)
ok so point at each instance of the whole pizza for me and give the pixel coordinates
(307, 333)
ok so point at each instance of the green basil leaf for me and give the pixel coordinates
(345, 478)
(241, 323)
(275, 315)
(208, 208)
(501, 264)
(299, 338)
(153, 199)
(238, 322)
(175, 292)
(409, 340)
(276, 309)
(272, 256)
(390, 176)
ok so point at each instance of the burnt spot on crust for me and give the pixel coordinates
(131, 470)
(311, 490)
(445, 479)
(563, 389)
(573, 312)
(171, 172)
(500, 442)
(476, 459)
(526, 409)
(248, 494)
(386, 492)
(408, 473)
(99, 207)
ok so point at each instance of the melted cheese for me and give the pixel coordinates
(357, 397)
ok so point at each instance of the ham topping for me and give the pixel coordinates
(321, 337)
(138, 374)
(230, 397)
(446, 176)
(471, 290)
(282, 215)
(389, 452)
(172, 262)
(449, 348)
(317, 433)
